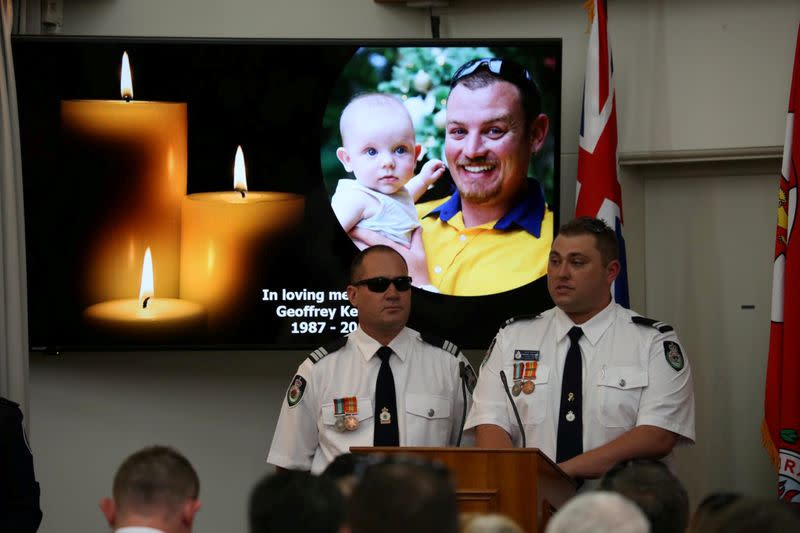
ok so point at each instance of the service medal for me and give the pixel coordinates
(529, 374)
(517, 388)
(339, 424)
(350, 423)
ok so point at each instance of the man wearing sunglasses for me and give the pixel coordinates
(382, 385)
(494, 233)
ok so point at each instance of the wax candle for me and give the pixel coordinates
(224, 238)
(147, 319)
(128, 162)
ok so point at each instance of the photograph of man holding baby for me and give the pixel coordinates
(453, 164)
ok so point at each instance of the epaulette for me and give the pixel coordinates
(520, 317)
(644, 321)
(333, 346)
(439, 342)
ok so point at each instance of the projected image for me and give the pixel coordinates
(462, 191)
(186, 193)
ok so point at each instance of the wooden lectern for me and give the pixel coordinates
(521, 483)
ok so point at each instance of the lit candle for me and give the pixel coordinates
(147, 319)
(224, 237)
(128, 158)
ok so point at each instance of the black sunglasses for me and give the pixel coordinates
(401, 283)
(500, 68)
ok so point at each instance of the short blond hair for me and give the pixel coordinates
(373, 100)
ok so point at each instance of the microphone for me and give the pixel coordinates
(514, 407)
(462, 373)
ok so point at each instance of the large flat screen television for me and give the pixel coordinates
(178, 192)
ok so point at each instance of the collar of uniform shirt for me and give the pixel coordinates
(593, 328)
(527, 213)
(368, 346)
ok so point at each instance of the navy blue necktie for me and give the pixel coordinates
(570, 415)
(386, 432)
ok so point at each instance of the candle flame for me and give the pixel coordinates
(239, 174)
(125, 81)
(146, 287)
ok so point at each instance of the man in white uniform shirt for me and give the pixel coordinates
(624, 391)
(383, 385)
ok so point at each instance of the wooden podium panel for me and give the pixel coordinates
(520, 483)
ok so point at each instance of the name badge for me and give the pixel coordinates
(526, 355)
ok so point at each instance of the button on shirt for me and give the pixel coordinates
(429, 400)
(494, 257)
(627, 380)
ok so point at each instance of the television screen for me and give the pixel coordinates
(211, 193)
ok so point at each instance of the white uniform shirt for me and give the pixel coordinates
(428, 390)
(628, 380)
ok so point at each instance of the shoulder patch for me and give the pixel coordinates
(333, 346)
(644, 321)
(296, 390)
(674, 356)
(439, 342)
(519, 319)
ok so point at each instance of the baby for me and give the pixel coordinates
(379, 147)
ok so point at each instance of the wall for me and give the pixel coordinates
(705, 80)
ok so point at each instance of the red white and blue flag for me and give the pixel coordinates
(599, 194)
(781, 428)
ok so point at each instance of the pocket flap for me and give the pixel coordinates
(365, 411)
(623, 377)
(428, 406)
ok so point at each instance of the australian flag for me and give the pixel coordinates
(599, 193)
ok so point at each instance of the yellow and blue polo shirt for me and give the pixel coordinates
(494, 257)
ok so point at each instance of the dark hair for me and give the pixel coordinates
(712, 505)
(745, 515)
(605, 238)
(344, 465)
(530, 97)
(155, 476)
(358, 260)
(295, 501)
(654, 489)
(400, 495)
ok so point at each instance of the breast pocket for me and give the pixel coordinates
(428, 420)
(361, 436)
(620, 389)
(532, 407)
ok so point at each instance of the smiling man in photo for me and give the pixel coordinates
(493, 234)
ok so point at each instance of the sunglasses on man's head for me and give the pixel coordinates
(500, 68)
(401, 283)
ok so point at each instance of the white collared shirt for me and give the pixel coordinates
(137, 529)
(627, 380)
(428, 391)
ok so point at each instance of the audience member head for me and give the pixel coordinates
(487, 523)
(752, 515)
(155, 487)
(658, 493)
(344, 471)
(711, 505)
(291, 500)
(598, 512)
(402, 494)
